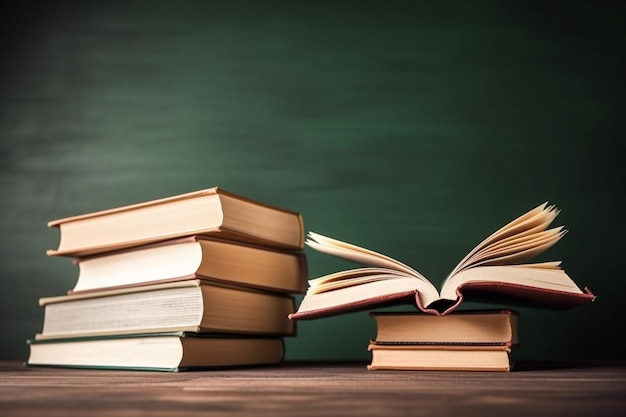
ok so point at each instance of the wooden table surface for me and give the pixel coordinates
(316, 389)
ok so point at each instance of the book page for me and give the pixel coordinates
(547, 275)
(358, 254)
(379, 290)
(522, 229)
(515, 250)
(353, 277)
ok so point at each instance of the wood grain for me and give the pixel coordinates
(316, 389)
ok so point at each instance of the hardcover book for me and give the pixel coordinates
(211, 211)
(495, 270)
(194, 257)
(469, 327)
(174, 352)
(190, 306)
(418, 357)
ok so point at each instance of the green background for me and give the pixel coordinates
(411, 128)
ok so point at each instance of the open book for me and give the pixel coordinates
(495, 270)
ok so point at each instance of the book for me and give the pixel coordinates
(191, 306)
(495, 270)
(468, 327)
(407, 357)
(195, 257)
(470, 340)
(177, 351)
(211, 211)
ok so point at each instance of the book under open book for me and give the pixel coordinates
(440, 358)
(494, 270)
(465, 328)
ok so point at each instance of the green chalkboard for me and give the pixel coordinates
(411, 128)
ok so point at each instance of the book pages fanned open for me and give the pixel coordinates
(496, 270)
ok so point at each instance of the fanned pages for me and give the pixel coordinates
(494, 270)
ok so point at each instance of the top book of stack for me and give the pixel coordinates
(497, 270)
(211, 212)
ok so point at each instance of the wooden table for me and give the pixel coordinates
(316, 389)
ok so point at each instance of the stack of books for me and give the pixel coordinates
(478, 340)
(441, 336)
(197, 280)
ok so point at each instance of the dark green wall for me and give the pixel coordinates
(412, 128)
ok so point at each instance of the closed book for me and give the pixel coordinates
(193, 257)
(192, 306)
(468, 327)
(419, 357)
(211, 211)
(177, 351)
